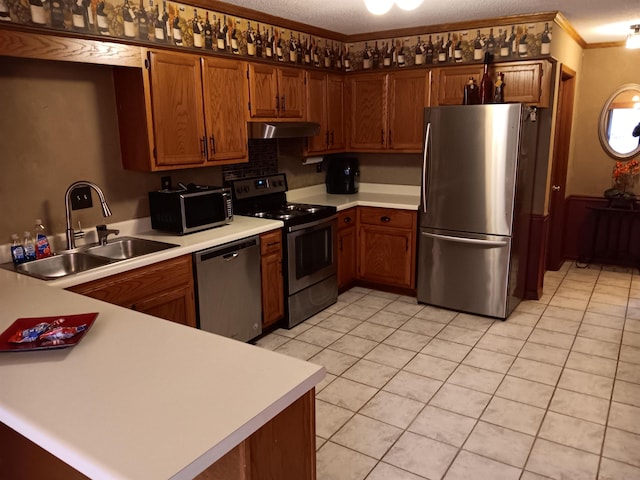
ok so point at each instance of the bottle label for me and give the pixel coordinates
(37, 14)
(523, 49)
(234, 44)
(419, 59)
(251, 49)
(545, 48)
(17, 253)
(457, 55)
(78, 21)
(177, 35)
(366, 63)
(477, 54)
(386, 61)
(220, 44)
(269, 52)
(504, 51)
(129, 31)
(442, 57)
(43, 250)
(159, 33)
(292, 56)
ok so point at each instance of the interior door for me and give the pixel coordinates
(555, 251)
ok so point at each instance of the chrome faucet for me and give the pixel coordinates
(104, 232)
(106, 211)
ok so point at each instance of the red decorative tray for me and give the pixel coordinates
(24, 323)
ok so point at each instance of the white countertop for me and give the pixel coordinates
(138, 397)
(142, 397)
(403, 197)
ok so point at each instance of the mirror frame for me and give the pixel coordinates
(602, 125)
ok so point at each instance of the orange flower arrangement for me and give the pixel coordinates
(625, 174)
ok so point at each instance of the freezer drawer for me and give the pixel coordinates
(468, 273)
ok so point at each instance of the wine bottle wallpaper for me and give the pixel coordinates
(167, 23)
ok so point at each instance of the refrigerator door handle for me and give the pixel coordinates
(485, 243)
(425, 158)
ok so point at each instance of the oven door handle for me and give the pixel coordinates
(305, 226)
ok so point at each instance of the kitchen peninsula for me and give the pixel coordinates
(141, 397)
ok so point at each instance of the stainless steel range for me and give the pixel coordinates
(308, 237)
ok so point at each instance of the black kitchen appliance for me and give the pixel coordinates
(343, 175)
(190, 208)
(309, 259)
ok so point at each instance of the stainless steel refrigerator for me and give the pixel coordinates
(477, 179)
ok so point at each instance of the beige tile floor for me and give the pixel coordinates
(415, 392)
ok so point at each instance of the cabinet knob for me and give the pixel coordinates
(385, 219)
(347, 219)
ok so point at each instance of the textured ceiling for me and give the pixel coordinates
(595, 20)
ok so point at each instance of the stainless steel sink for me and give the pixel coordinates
(61, 265)
(86, 258)
(128, 247)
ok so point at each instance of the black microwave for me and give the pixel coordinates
(190, 209)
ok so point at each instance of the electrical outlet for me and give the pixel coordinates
(81, 198)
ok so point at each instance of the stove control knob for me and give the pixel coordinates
(246, 189)
(238, 190)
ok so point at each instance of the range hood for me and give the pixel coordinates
(267, 130)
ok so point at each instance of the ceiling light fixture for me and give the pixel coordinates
(633, 39)
(408, 4)
(380, 7)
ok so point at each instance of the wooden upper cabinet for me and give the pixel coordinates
(325, 102)
(276, 92)
(178, 111)
(449, 82)
(406, 110)
(182, 111)
(225, 89)
(291, 91)
(525, 82)
(368, 112)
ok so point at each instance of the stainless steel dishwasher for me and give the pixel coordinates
(228, 289)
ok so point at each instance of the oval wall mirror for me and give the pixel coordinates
(619, 127)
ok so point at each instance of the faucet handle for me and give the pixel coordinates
(104, 232)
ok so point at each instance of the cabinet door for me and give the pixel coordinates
(385, 256)
(347, 257)
(272, 280)
(225, 102)
(335, 112)
(368, 116)
(316, 89)
(178, 113)
(451, 82)
(292, 93)
(177, 305)
(263, 91)
(406, 110)
(523, 82)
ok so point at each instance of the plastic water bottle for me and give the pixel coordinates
(17, 251)
(43, 248)
(29, 247)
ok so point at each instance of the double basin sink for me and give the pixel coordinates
(89, 257)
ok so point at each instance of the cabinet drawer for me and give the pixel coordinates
(270, 242)
(129, 287)
(387, 217)
(347, 218)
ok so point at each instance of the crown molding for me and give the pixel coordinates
(564, 24)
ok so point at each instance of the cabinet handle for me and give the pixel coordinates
(331, 137)
(284, 103)
(390, 141)
(382, 137)
(385, 219)
(327, 138)
(212, 142)
(203, 147)
(272, 244)
(277, 103)
(347, 219)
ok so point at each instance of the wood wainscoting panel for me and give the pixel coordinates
(579, 226)
(536, 260)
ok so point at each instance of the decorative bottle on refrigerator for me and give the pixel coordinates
(486, 85)
(498, 96)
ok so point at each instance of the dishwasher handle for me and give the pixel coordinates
(228, 252)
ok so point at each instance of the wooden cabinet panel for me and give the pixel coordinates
(272, 279)
(335, 113)
(347, 248)
(164, 288)
(291, 91)
(406, 110)
(451, 82)
(387, 246)
(325, 105)
(368, 112)
(263, 91)
(225, 99)
(178, 114)
(524, 82)
(276, 92)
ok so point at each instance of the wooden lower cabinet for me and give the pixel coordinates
(164, 290)
(272, 279)
(387, 246)
(347, 248)
(283, 449)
